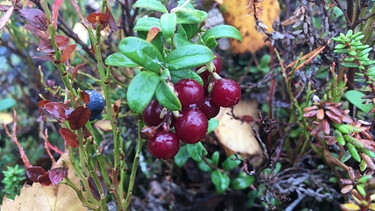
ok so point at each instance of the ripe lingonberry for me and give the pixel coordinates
(96, 103)
(191, 126)
(209, 108)
(190, 92)
(226, 92)
(164, 144)
(151, 114)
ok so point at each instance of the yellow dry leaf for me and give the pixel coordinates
(103, 125)
(235, 136)
(46, 198)
(6, 118)
(236, 13)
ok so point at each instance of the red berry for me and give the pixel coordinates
(151, 114)
(210, 108)
(226, 92)
(218, 64)
(163, 145)
(190, 92)
(191, 126)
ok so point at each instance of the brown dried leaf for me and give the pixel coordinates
(320, 114)
(35, 17)
(152, 34)
(326, 127)
(310, 114)
(103, 125)
(346, 189)
(67, 52)
(332, 116)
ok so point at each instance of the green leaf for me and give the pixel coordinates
(355, 97)
(141, 52)
(361, 190)
(350, 65)
(7, 103)
(188, 56)
(220, 180)
(211, 42)
(168, 24)
(150, 5)
(179, 41)
(177, 75)
(196, 151)
(119, 60)
(190, 30)
(231, 162)
(182, 156)
(190, 16)
(222, 31)
(353, 152)
(364, 178)
(212, 125)
(204, 167)
(215, 158)
(141, 90)
(167, 97)
(145, 24)
(367, 63)
(242, 181)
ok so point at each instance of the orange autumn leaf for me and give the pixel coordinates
(236, 13)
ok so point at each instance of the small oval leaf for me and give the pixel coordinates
(231, 163)
(196, 151)
(141, 52)
(177, 75)
(188, 56)
(243, 181)
(79, 117)
(222, 31)
(141, 90)
(119, 60)
(56, 175)
(167, 97)
(220, 180)
(150, 5)
(168, 24)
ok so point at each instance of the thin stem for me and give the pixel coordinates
(68, 182)
(134, 167)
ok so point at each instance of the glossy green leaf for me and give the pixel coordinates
(150, 5)
(353, 152)
(242, 181)
(190, 16)
(167, 97)
(220, 180)
(141, 52)
(355, 97)
(361, 190)
(168, 24)
(197, 151)
(177, 75)
(7, 103)
(211, 42)
(212, 125)
(231, 162)
(179, 41)
(182, 156)
(188, 56)
(147, 23)
(204, 166)
(364, 178)
(215, 158)
(119, 60)
(222, 31)
(141, 90)
(190, 30)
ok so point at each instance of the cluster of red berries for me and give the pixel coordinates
(199, 104)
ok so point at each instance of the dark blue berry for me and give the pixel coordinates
(96, 104)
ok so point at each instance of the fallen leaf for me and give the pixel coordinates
(236, 13)
(236, 136)
(46, 198)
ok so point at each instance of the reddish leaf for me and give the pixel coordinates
(62, 41)
(34, 173)
(37, 32)
(4, 20)
(111, 20)
(43, 102)
(55, 12)
(75, 70)
(44, 179)
(56, 175)
(69, 137)
(332, 116)
(326, 127)
(94, 188)
(35, 17)
(346, 189)
(67, 52)
(152, 33)
(56, 110)
(86, 133)
(85, 97)
(79, 117)
(98, 18)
